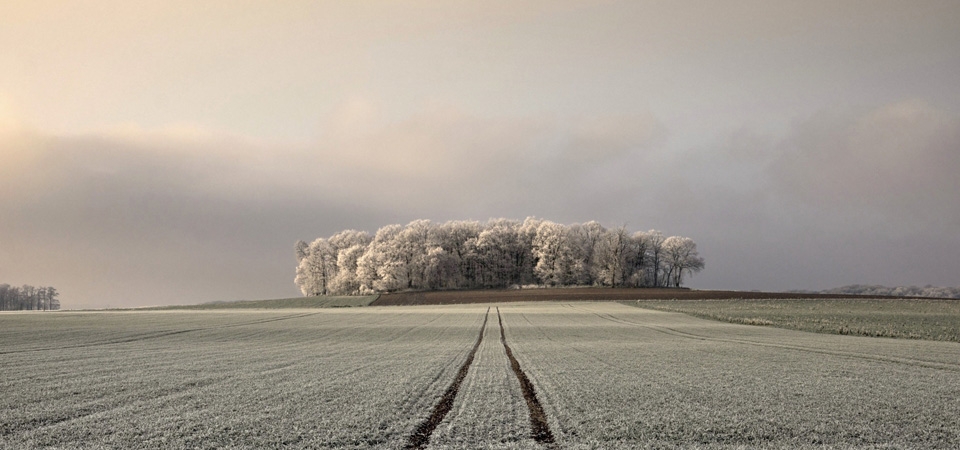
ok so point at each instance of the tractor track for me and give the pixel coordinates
(421, 435)
(539, 428)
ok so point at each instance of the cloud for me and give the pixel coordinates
(136, 216)
(180, 214)
(443, 158)
(896, 164)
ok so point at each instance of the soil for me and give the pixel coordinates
(582, 294)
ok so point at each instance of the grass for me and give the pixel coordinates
(937, 320)
(607, 375)
(615, 377)
(334, 378)
(322, 301)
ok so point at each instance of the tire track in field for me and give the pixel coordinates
(143, 337)
(864, 356)
(540, 429)
(421, 435)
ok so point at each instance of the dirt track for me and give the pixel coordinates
(578, 294)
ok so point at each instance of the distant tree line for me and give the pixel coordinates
(499, 253)
(897, 291)
(27, 298)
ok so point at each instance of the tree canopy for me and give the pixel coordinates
(27, 297)
(496, 254)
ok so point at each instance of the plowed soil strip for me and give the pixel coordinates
(421, 436)
(539, 428)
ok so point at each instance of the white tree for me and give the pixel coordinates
(558, 262)
(681, 256)
(611, 257)
(346, 282)
(584, 241)
(441, 269)
(317, 268)
(413, 244)
(653, 241)
(498, 253)
(301, 249)
(381, 268)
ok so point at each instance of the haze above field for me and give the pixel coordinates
(173, 152)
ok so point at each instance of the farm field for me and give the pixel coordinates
(604, 375)
(323, 301)
(932, 319)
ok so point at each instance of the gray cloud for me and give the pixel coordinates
(141, 217)
(145, 217)
(840, 197)
(894, 167)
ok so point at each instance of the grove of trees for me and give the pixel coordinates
(28, 297)
(499, 253)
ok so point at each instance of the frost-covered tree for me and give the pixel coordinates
(413, 244)
(585, 239)
(494, 254)
(317, 268)
(561, 258)
(611, 257)
(441, 269)
(458, 239)
(638, 260)
(383, 268)
(680, 256)
(654, 249)
(28, 297)
(301, 249)
(500, 254)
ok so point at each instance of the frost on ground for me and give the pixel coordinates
(611, 376)
(607, 376)
(212, 380)
(489, 408)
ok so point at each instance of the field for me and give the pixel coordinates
(325, 301)
(932, 319)
(598, 375)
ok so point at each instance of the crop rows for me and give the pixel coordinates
(930, 319)
(520, 375)
(332, 380)
(612, 377)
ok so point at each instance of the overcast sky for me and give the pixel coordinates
(161, 152)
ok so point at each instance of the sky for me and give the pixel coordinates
(172, 152)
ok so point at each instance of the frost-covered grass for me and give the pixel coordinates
(297, 379)
(607, 376)
(489, 408)
(611, 376)
(898, 318)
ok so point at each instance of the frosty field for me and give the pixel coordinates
(606, 375)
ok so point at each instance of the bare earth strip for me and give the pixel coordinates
(577, 294)
(539, 428)
(609, 376)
